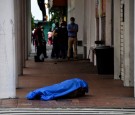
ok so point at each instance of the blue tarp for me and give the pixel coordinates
(57, 90)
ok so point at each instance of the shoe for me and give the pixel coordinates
(75, 58)
(68, 58)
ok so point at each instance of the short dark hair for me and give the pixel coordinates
(39, 24)
(57, 24)
(72, 19)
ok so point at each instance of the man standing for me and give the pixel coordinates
(72, 29)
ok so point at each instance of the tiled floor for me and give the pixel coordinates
(104, 92)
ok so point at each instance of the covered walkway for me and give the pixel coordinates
(104, 91)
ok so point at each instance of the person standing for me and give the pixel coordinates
(40, 41)
(56, 37)
(63, 42)
(72, 29)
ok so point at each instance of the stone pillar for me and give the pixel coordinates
(71, 9)
(116, 39)
(29, 26)
(79, 7)
(108, 22)
(7, 50)
(26, 29)
(93, 30)
(87, 15)
(134, 51)
(131, 8)
(18, 17)
(18, 42)
(23, 31)
(128, 35)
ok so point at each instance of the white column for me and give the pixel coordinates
(99, 14)
(131, 8)
(18, 36)
(134, 51)
(128, 35)
(27, 13)
(127, 47)
(116, 39)
(108, 22)
(93, 30)
(29, 26)
(87, 23)
(23, 31)
(7, 50)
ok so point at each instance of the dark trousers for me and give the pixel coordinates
(63, 51)
(41, 49)
(55, 50)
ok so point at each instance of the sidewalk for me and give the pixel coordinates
(104, 92)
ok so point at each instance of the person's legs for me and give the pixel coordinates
(39, 52)
(70, 43)
(57, 50)
(44, 50)
(63, 50)
(53, 49)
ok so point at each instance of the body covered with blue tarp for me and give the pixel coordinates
(58, 90)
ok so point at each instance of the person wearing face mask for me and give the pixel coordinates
(63, 41)
(40, 43)
(72, 29)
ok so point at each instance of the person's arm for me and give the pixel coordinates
(77, 28)
(54, 33)
(69, 28)
(36, 35)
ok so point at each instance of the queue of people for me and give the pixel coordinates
(62, 37)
